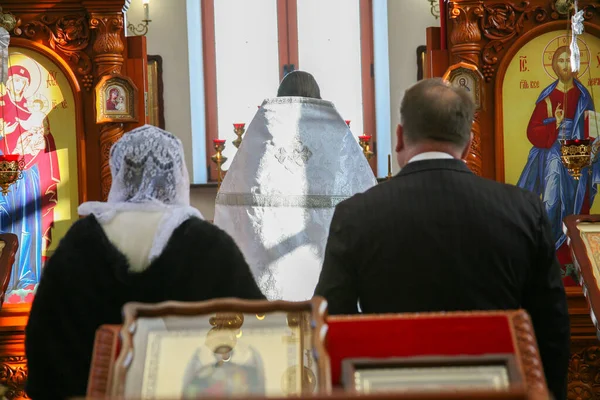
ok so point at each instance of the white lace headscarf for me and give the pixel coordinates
(148, 174)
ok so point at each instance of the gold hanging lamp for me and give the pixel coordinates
(11, 165)
(575, 154)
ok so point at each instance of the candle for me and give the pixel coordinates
(348, 123)
(218, 141)
(365, 138)
(239, 125)
(146, 9)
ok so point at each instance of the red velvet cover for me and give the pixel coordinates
(396, 336)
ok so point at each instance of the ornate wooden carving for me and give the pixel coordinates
(584, 373)
(105, 353)
(530, 358)
(13, 374)
(502, 23)
(69, 35)
(465, 38)
(474, 158)
(108, 56)
(108, 47)
(584, 364)
(109, 134)
(87, 82)
(466, 35)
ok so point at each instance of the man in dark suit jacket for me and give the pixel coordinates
(437, 237)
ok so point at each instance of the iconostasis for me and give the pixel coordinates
(536, 123)
(75, 85)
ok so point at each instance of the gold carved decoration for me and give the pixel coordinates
(108, 57)
(227, 320)
(13, 374)
(68, 35)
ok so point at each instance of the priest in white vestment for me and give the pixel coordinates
(297, 161)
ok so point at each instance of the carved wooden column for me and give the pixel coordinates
(108, 57)
(465, 45)
(474, 160)
(465, 38)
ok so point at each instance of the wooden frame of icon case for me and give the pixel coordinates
(155, 100)
(234, 346)
(116, 99)
(465, 373)
(467, 77)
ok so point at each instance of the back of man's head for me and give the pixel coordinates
(435, 111)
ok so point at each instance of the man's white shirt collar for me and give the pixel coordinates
(431, 155)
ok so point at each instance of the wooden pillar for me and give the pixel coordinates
(465, 45)
(108, 57)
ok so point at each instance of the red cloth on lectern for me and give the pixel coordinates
(421, 336)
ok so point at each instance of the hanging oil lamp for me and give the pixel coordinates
(576, 154)
(11, 165)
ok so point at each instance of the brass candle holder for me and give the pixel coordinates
(11, 170)
(576, 154)
(365, 143)
(218, 158)
(239, 130)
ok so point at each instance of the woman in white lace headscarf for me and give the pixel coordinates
(145, 244)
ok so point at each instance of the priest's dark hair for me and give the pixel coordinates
(299, 84)
(434, 110)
